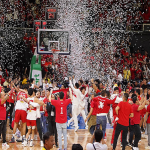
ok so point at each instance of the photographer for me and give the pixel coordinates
(51, 120)
(3, 99)
(100, 144)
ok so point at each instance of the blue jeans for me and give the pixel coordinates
(62, 128)
(92, 129)
(101, 120)
(44, 123)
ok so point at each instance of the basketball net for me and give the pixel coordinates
(55, 54)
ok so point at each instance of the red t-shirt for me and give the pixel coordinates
(21, 94)
(45, 102)
(11, 97)
(124, 113)
(61, 110)
(148, 110)
(94, 106)
(136, 118)
(103, 104)
(139, 72)
(98, 91)
(132, 73)
(2, 111)
(120, 90)
(43, 61)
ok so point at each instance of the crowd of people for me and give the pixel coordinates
(44, 108)
(24, 13)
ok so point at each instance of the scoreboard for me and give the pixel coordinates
(50, 17)
(51, 13)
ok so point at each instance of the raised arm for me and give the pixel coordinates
(15, 87)
(74, 81)
(23, 91)
(70, 94)
(94, 86)
(4, 99)
(76, 91)
(50, 95)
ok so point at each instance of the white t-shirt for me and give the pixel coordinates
(31, 113)
(98, 146)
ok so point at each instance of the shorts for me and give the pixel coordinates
(20, 115)
(31, 123)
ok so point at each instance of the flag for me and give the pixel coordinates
(35, 70)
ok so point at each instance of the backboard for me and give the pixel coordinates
(49, 39)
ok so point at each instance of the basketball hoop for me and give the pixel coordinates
(55, 54)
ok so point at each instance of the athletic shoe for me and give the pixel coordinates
(42, 144)
(135, 148)
(121, 145)
(148, 147)
(86, 127)
(130, 145)
(25, 143)
(69, 121)
(12, 140)
(31, 143)
(76, 128)
(18, 134)
(23, 139)
(143, 136)
(5, 145)
(19, 139)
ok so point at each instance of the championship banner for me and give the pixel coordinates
(35, 71)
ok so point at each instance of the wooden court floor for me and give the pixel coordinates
(81, 137)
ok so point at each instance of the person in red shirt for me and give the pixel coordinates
(145, 56)
(140, 60)
(124, 111)
(61, 116)
(3, 99)
(95, 86)
(139, 72)
(146, 123)
(135, 120)
(103, 106)
(44, 118)
(25, 38)
(10, 104)
(137, 53)
(132, 70)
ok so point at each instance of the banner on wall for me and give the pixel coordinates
(35, 71)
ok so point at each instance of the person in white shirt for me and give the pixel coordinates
(120, 78)
(75, 104)
(99, 143)
(46, 85)
(33, 85)
(78, 103)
